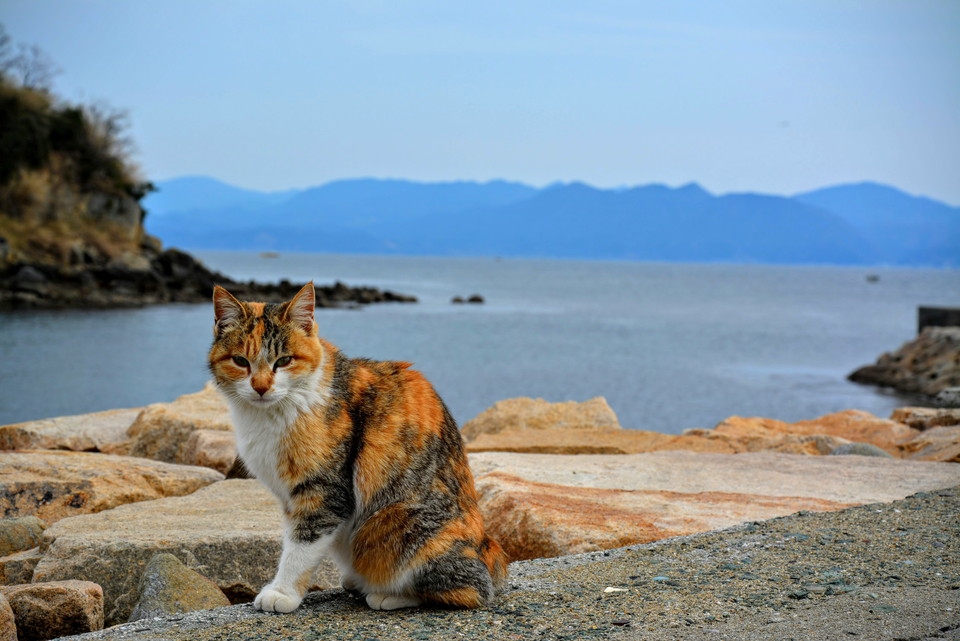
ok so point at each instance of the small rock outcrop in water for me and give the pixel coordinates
(153, 276)
(927, 365)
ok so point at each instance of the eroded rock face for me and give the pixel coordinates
(549, 505)
(55, 609)
(927, 365)
(528, 414)
(55, 485)
(230, 529)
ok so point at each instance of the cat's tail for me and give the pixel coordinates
(496, 561)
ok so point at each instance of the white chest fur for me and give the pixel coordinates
(260, 430)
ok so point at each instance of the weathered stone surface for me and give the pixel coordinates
(861, 449)
(924, 418)
(216, 449)
(162, 430)
(8, 626)
(849, 425)
(59, 608)
(230, 529)
(534, 520)
(522, 414)
(54, 485)
(927, 365)
(18, 534)
(734, 435)
(544, 505)
(170, 587)
(18, 567)
(571, 441)
(936, 444)
(97, 432)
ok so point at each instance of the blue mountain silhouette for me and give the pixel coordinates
(848, 224)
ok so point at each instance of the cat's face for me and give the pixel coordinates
(263, 355)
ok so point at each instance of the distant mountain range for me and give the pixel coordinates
(858, 224)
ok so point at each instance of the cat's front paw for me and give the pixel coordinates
(272, 599)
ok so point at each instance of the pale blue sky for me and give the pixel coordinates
(768, 96)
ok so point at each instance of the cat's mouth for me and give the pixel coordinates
(262, 401)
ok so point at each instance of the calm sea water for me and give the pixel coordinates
(670, 346)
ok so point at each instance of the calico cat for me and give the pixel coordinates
(365, 459)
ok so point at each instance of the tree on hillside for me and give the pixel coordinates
(26, 65)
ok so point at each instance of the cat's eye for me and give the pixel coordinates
(240, 361)
(283, 361)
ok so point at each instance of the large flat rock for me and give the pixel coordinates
(96, 432)
(229, 532)
(57, 484)
(541, 505)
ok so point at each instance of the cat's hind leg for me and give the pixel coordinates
(378, 601)
(455, 580)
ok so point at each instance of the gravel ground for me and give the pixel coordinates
(881, 571)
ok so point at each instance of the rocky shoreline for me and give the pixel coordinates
(107, 512)
(154, 276)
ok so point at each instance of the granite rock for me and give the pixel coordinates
(19, 534)
(18, 567)
(48, 610)
(924, 418)
(8, 625)
(230, 530)
(170, 587)
(97, 432)
(547, 505)
(162, 431)
(926, 365)
(216, 449)
(936, 444)
(527, 414)
(53, 485)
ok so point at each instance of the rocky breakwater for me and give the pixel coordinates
(143, 521)
(927, 366)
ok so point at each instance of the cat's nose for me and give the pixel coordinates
(260, 388)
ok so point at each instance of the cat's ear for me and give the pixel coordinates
(300, 308)
(227, 310)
